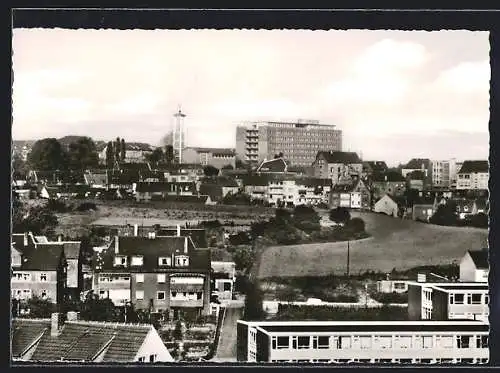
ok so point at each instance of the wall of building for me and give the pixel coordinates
(414, 302)
(36, 286)
(439, 305)
(263, 346)
(241, 342)
(153, 345)
(467, 269)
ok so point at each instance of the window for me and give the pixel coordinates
(137, 260)
(458, 298)
(482, 341)
(152, 358)
(139, 294)
(427, 341)
(476, 299)
(160, 295)
(120, 260)
(199, 295)
(164, 261)
(227, 286)
(43, 277)
(43, 294)
(182, 261)
(139, 277)
(463, 341)
(486, 299)
(161, 278)
(142, 359)
(344, 342)
(303, 342)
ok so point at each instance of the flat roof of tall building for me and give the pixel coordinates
(272, 327)
(450, 286)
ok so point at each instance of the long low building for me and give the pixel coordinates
(417, 342)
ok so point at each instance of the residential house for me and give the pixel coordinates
(218, 187)
(282, 192)
(135, 152)
(337, 165)
(410, 342)
(158, 191)
(389, 182)
(224, 277)
(374, 167)
(216, 157)
(312, 191)
(416, 180)
(473, 175)
(423, 165)
(256, 186)
(443, 173)
(163, 274)
(96, 179)
(75, 341)
(386, 205)
(63, 191)
(392, 286)
(39, 271)
(424, 207)
(351, 194)
(277, 165)
(474, 266)
(448, 301)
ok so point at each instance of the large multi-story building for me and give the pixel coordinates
(448, 301)
(363, 341)
(299, 142)
(473, 175)
(160, 273)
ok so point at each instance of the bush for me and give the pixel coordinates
(57, 205)
(388, 298)
(340, 215)
(357, 225)
(289, 312)
(86, 206)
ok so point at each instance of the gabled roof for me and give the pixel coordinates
(255, 180)
(474, 166)
(375, 166)
(346, 187)
(25, 333)
(416, 164)
(143, 166)
(152, 248)
(339, 157)
(72, 249)
(416, 175)
(155, 187)
(138, 146)
(273, 165)
(480, 258)
(84, 340)
(313, 182)
(46, 257)
(223, 181)
(198, 235)
(212, 190)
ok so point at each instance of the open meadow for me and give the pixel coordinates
(394, 243)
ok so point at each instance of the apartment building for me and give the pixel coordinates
(337, 165)
(474, 266)
(363, 341)
(298, 141)
(160, 273)
(448, 301)
(216, 157)
(390, 182)
(473, 175)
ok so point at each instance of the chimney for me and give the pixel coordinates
(178, 230)
(385, 177)
(25, 239)
(117, 245)
(72, 316)
(54, 324)
(421, 277)
(59, 238)
(136, 229)
(185, 245)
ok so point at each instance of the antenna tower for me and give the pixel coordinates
(178, 135)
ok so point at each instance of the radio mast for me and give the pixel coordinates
(178, 135)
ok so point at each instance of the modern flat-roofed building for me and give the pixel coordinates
(363, 341)
(298, 141)
(448, 301)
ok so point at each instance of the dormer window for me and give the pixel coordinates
(137, 260)
(120, 260)
(182, 261)
(164, 261)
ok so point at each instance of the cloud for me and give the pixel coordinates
(467, 78)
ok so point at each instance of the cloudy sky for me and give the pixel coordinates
(395, 94)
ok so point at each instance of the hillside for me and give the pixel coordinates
(395, 243)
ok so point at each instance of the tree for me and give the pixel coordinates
(19, 170)
(110, 155)
(279, 155)
(40, 308)
(156, 156)
(169, 154)
(95, 309)
(254, 302)
(47, 155)
(210, 171)
(357, 225)
(82, 154)
(117, 149)
(306, 219)
(445, 215)
(239, 164)
(243, 258)
(37, 219)
(340, 215)
(123, 150)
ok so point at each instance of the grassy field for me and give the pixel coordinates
(395, 243)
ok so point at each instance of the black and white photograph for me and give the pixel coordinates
(239, 196)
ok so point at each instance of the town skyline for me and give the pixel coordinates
(428, 92)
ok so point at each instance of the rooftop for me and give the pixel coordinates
(339, 157)
(474, 166)
(480, 258)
